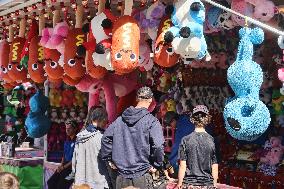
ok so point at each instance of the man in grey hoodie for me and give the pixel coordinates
(134, 144)
(87, 164)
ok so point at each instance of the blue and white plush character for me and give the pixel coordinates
(281, 42)
(246, 116)
(186, 35)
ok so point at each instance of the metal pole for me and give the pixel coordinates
(251, 20)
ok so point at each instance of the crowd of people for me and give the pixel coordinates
(129, 153)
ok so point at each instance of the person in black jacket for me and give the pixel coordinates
(134, 144)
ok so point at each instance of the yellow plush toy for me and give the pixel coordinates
(80, 99)
(171, 105)
(55, 97)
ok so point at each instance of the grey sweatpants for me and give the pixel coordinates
(143, 182)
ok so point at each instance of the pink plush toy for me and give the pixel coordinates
(112, 85)
(53, 38)
(145, 61)
(281, 74)
(274, 156)
(264, 10)
(242, 7)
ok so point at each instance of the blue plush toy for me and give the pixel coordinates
(246, 117)
(186, 35)
(37, 123)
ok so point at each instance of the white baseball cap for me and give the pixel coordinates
(200, 108)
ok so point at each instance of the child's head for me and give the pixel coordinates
(200, 116)
(97, 115)
(8, 181)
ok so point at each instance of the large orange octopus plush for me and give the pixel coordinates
(125, 42)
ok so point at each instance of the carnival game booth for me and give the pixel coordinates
(59, 58)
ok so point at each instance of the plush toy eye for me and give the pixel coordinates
(53, 64)
(35, 66)
(71, 62)
(10, 67)
(19, 68)
(132, 57)
(118, 56)
(4, 70)
(83, 64)
(157, 49)
(170, 51)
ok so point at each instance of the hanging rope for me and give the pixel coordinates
(251, 20)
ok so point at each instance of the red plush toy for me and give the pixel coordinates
(36, 57)
(125, 42)
(164, 54)
(4, 61)
(36, 61)
(16, 71)
(74, 66)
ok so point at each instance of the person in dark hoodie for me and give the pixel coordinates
(134, 144)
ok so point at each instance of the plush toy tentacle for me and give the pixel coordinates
(93, 100)
(110, 100)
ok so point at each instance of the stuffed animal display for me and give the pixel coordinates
(246, 117)
(37, 123)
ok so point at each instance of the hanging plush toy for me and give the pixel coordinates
(263, 11)
(101, 27)
(16, 71)
(242, 7)
(101, 32)
(125, 42)
(145, 61)
(154, 14)
(246, 117)
(187, 33)
(37, 123)
(74, 66)
(164, 54)
(4, 61)
(36, 57)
